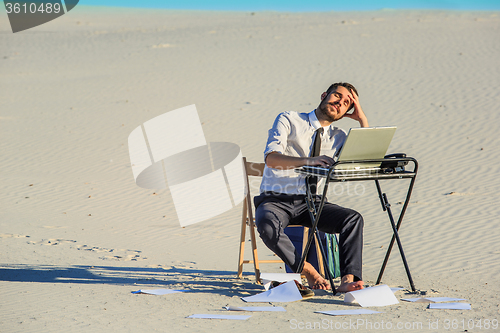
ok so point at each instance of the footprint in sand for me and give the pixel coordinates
(56, 241)
(118, 254)
(13, 236)
(93, 248)
(121, 254)
(126, 257)
(52, 242)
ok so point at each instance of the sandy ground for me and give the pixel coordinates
(77, 235)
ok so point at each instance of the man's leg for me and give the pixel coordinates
(272, 215)
(349, 224)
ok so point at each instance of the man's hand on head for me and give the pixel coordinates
(358, 113)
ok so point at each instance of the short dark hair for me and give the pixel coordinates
(346, 85)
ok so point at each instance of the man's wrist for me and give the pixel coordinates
(363, 121)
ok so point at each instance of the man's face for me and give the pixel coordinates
(334, 105)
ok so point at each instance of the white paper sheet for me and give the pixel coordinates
(348, 312)
(374, 296)
(157, 291)
(256, 308)
(450, 306)
(215, 316)
(287, 292)
(432, 299)
(267, 278)
(396, 289)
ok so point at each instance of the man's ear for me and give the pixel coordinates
(323, 95)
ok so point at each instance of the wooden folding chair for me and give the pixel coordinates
(247, 219)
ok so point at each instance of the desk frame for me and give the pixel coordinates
(315, 212)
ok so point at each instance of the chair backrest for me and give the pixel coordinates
(251, 169)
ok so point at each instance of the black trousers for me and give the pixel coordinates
(274, 212)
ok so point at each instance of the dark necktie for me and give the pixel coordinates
(313, 181)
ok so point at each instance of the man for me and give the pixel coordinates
(282, 198)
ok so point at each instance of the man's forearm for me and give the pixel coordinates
(363, 122)
(277, 160)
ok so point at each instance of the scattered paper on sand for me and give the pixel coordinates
(348, 312)
(450, 306)
(214, 316)
(374, 296)
(267, 278)
(286, 292)
(256, 308)
(157, 291)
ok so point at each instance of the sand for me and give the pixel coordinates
(77, 235)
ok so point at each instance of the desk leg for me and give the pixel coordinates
(400, 246)
(383, 200)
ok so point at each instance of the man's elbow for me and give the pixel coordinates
(272, 159)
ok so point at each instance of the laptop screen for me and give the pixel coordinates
(367, 143)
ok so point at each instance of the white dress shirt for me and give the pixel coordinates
(292, 134)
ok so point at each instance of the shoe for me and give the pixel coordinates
(304, 291)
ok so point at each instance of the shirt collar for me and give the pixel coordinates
(313, 120)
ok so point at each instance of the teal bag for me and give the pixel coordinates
(332, 253)
(330, 244)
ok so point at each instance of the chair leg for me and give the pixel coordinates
(305, 236)
(244, 217)
(318, 253)
(254, 251)
(320, 257)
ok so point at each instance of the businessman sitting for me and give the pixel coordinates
(296, 140)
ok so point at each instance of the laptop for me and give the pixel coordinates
(364, 143)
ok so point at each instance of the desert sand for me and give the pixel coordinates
(78, 236)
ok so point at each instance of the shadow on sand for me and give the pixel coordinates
(220, 282)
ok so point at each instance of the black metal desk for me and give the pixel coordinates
(390, 168)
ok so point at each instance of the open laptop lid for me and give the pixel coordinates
(361, 144)
(364, 144)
